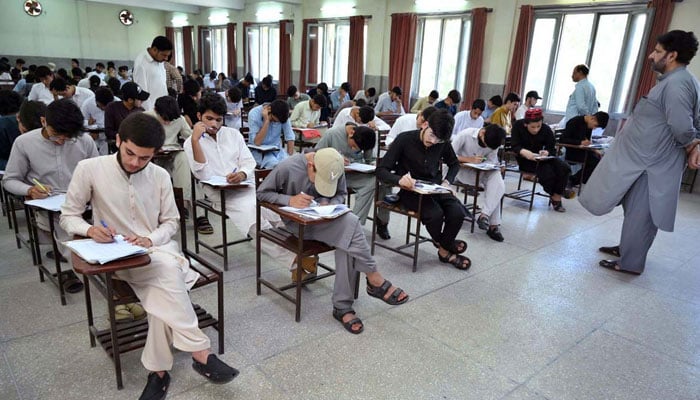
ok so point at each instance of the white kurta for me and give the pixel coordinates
(176, 164)
(402, 124)
(463, 120)
(150, 75)
(303, 115)
(142, 204)
(82, 95)
(40, 92)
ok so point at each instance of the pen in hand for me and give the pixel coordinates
(42, 187)
(104, 224)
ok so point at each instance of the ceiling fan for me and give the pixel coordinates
(32, 8)
(126, 17)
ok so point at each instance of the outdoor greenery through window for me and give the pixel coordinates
(607, 39)
(442, 49)
(214, 50)
(262, 54)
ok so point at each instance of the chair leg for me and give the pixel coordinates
(113, 331)
(88, 308)
(220, 316)
(532, 194)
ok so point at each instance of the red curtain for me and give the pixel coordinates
(231, 49)
(401, 52)
(356, 56)
(170, 34)
(476, 57)
(663, 10)
(200, 50)
(187, 48)
(520, 48)
(246, 49)
(303, 83)
(285, 67)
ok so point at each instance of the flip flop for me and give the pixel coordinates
(71, 283)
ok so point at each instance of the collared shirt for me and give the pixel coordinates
(466, 144)
(115, 112)
(82, 95)
(404, 123)
(35, 157)
(173, 79)
(336, 101)
(226, 153)
(408, 154)
(463, 120)
(294, 101)
(41, 93)
(442, 105)
(582, 101)
(150, 75)
(303, 115)
(384, 103)
(344, 117)
(233, 115)
(275, 131)
(178, 128)
(502, 117)
(90, 110)
(421, 104)
(337, 138)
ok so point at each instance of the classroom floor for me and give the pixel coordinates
(534, 318)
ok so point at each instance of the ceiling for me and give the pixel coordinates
(190, 6)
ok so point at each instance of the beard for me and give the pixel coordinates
(128, 173)
(659, 66)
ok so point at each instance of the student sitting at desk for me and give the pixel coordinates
(321, 176)
(134, 198)
(94, 114)
(267, 125)
(216, 150)
(409, 123)
(234, 108)
(476, 146)
(116, 111)
(42, 161)
(419, 155)
(532, 139)
(578, 132)
(307, 113)
(9, 129)
(361, 116)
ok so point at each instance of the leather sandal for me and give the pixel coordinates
(203, 226)
(338, 314)
(380, 291)
(614, 265)
(458, 261)
(458, 247)
(122, 314)
(612, 250)
(71, 282)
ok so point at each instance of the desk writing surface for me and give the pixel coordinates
(51, 203)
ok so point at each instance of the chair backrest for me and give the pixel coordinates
(381, 142)
(245, 131)
(260, 175)
(180, 203)
(389, 118)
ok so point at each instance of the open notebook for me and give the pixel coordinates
(102, 253)
(218, 180)
(318, 212)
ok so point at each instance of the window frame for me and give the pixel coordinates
(462, 67)
(558, 14)
(246, 59)
(179, 46)
(322, 23)
(208, 59)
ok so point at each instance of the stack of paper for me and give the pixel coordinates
(359, 167)
(217, 180)
(483, 166)
(263, 148)
(317, 212)
(51, 203)
(102, 253)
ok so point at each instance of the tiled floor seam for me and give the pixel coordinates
(12, 375)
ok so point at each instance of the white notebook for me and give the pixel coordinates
(317, 212)
(359, 167)
(102, 253)
(51, 203)
(218, 180)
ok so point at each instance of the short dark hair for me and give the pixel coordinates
(20, 61)
(9, 102)
(110, 64)
(346, 86)
(454, 96)
(480, 104)
(58, 84)
(434, 94)
(212, 75)
(88, 69)
(123, 68)
(77, 72)
(512, 97)
(582, 68)
(442, 123)
(95, 81)
(162, 43)
(191, 87)
(30, 113)
(249, 78)
(602, 117)
(280, 109)
(75, 60)
(397, 90)
(683, 43)
(371, 91)
(104, 96)
(291, 91)
(323, 86)
(320, 100)
(114, 85)
(142, 130)
(267, 81)
(360, 102)
(427, 112)
(235, 94)
(167, 108)
(212, 102)
(366, 114)
(42, 71)
(99, 64)
(496, 100)
(172, 93)
(494, 136)
(364, 137)
(64, 117)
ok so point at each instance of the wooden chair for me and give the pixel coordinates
(293, 242)
(526, 195)
(389, 118)
(220, 249)
(118, 339)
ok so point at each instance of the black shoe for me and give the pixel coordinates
(383, 230)
(467, 214)
(215, 370)
(156, 387)
(483, 223)
(50, 256)
(613, 250)
(495, 234)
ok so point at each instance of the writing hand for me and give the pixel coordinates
(91, 121)
(585, 142)
(235, 177)
(407, 182)
(38, 192)
(301, 200)
(100, 234)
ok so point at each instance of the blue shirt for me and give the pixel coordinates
(582, 101)
(442, 105)
(337, 101)
(275, 130)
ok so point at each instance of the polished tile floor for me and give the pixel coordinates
(534, 318)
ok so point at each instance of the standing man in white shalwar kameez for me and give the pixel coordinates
(134, 198)
(149, 71)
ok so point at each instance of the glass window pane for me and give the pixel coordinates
(449, 55)
(264, 51)
(463, 57)
(274, 53)
(631, 55)
(179, 49)
(573, 49)
(540, 55)
(429, 57)
(253, 50)
(606, 56)
(342, 45)
(328, 54)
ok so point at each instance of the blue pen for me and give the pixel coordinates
(104, 224)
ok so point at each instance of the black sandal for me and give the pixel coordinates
(71, 282)
(457, 262)
(612, 250)
(203, 226)
(557, 206)
(457, 245)
(338, 314)
(380, 291)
